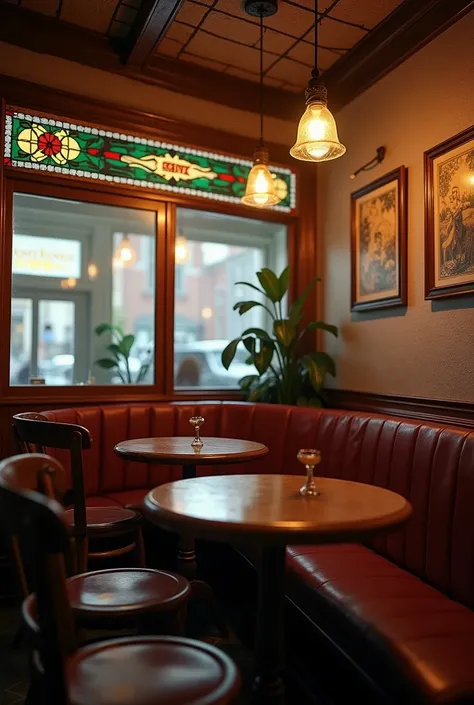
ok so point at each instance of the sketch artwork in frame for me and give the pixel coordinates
(449, 217)
(379, 242)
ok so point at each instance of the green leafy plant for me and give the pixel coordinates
(285, 374)
(120, 348)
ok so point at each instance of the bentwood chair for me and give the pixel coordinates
(116, 597)
(147, 670)
(35, 433)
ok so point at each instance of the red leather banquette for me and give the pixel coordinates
(400, 608)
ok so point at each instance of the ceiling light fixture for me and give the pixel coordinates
(317, 139)
(125, 254)
(260, 189)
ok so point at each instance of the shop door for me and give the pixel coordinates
(48, 337)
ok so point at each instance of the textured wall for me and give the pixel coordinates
(112, 88)
(427, 349)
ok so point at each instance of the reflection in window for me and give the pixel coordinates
(222, 251)
(64, 320)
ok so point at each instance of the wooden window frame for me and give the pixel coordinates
(300, 236)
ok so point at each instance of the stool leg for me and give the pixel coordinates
(140, 550)
(82, 553)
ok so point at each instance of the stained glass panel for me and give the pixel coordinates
(84, 152)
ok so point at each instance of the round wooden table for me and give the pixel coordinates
(177, 450)
(269, 510)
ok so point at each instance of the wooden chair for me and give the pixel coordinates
(136, 670)
(115, 597)
(35, 433)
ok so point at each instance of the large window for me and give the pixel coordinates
(215, 252)
(83, 291)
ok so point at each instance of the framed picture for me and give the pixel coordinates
(379, 242)
(449, 217)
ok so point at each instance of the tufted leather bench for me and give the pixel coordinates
(401, 607)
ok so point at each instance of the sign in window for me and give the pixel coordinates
(46, 256)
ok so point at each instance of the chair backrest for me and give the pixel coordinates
(35, 433)
(37, 520)
(24, 476)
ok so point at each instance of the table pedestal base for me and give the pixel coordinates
(268, 687)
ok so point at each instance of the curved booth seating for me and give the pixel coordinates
(400, 608)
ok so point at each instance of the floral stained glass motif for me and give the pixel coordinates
(84, 152)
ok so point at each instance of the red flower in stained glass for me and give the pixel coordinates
(49, 144)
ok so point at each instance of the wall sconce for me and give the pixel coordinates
(378, 159)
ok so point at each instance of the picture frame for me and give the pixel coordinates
(449, 217)
(379, 243)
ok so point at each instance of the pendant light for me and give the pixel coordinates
(317, 139)
(125, 255)
(182, 252)
(260, 190)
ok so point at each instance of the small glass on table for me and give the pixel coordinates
(197, 422)
(309, 457)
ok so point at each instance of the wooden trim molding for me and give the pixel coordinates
(411, 26)
(456, 413)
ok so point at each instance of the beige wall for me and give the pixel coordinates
(428, 349)
(119, 90)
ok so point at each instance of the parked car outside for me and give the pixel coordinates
(198, 364)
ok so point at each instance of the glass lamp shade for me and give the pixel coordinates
(260, 189)
(125, 254)
(317, 139)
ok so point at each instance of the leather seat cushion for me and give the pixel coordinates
(372, 602)
(149, 671)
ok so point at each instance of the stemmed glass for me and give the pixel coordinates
(197, 422)
(309, 457)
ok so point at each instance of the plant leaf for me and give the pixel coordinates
(107, 327)
(262, 358)
(325, 361)
(142, 372)
(259, 333)
(297, 305)
(252, 286)
(270, 284)
(283, 280)
(315, 372)
(244, 306)
(125, 345)
(322, 326)
(249, 344)
(285, 331)
(106, 363)
(114, 349)
(228, 353)
(246, 382)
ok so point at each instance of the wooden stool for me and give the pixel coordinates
(138, 671)
(35, 433)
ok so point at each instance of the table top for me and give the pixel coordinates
(177, 450)
(270, 507)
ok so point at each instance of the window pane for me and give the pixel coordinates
(83, 283)
(213, 252)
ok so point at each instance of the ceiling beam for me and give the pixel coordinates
(149, 28)
(411, 26)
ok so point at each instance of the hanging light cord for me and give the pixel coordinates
(261, 78)
(316, 37)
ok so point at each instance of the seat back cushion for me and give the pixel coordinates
(430, 464)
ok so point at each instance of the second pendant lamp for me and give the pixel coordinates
(317, 139)
(260, 189)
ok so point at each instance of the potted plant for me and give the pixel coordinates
(120, 349)
(285, 375)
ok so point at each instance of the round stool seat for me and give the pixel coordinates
(124, 591)
(105, 519)
(151, 671)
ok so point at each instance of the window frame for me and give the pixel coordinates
(165, 208)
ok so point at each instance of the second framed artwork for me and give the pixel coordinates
(379, 242)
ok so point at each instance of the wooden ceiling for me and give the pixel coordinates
(219, 35)
(210, 48)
